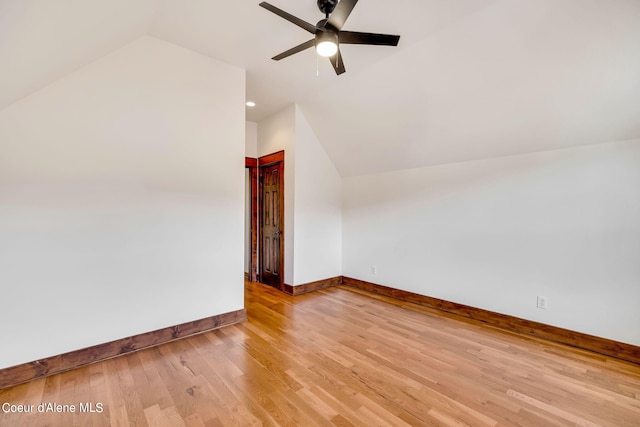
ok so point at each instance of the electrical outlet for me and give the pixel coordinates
(374, 270)
(543, 303)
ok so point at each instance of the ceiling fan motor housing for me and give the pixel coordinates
(327, 6)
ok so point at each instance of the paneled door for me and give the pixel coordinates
(272, 224)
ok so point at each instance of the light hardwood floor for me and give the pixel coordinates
(342, 357)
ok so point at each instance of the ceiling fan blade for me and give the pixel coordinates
(299, 48)
(289, 17)
(338, 64)
(351, 37)
(341, 13)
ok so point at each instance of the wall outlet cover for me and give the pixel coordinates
(542, 303)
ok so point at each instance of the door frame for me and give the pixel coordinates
(252, 164)
(255, 260)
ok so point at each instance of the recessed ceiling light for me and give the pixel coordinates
(251, 104)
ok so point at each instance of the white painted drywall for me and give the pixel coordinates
(318, 209)
(251, 139)
(497, 233)
(121, 200)
(313, 216)
(275, 134)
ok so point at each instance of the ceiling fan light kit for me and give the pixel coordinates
(326, 43)
(328, 34)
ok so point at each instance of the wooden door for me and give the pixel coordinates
(272, 224)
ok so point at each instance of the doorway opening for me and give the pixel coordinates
(265, 220)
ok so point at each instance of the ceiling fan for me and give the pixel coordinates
(328, 32)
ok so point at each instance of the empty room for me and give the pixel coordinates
(320, 213)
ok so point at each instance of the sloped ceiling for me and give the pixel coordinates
(43, 40)
(470, 79)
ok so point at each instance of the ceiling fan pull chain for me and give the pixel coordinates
(317, 65)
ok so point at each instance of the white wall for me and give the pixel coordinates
(496, 233)
(275, 134)
(121, 200)
(251, 139)
(318, 209)
(313, 217)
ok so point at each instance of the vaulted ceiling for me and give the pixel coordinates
(470, 79)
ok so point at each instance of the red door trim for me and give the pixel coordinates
(252, 164)
(269, 159)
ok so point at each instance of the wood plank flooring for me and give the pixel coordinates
(342, 357)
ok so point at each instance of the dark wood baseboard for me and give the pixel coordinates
(64, 362)
(311, 286)
(580, 340)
